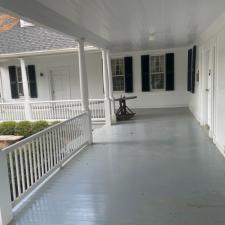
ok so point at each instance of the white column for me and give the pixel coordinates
(84, 85)
(5, 199)
(106, 88)
(113, 110)
(25, 90)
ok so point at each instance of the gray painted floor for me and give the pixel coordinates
(159, 169)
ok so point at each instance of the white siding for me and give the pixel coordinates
(159, 99)
(44, 64)
(217, 38)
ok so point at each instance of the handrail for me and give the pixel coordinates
(33, 160)
(58, 101)
(11, 103)
(28, 139)
(50, 110)
(53, 101)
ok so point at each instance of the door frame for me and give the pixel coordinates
(211, 50)
(51, 70)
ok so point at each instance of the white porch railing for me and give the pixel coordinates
(12, 111)
(52, 110)
(32, 160)
(55, 110)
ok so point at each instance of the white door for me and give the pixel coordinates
(206, 89)
(209, 88)
(211, 93)
(60, 85)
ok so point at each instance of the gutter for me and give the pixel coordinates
(46, 52)
(1, 88)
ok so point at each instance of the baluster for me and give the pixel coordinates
(11, 164)
(34, 161)
(22, 169)
(17, 173)
(48, 151)
(26, 166)
(31, 164)
(41, 152)
(38, 158)
(45, 153)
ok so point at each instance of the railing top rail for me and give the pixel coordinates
(24, 141)
(11, 103)
(39, 102)
(59, 101)
(97, 99)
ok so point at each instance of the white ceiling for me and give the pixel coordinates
(125, 24)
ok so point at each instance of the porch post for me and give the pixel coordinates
(106, 88)
(84, 85)
(112, 104)
(5, 199)
(25, 90)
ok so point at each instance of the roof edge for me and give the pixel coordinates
(46, 52)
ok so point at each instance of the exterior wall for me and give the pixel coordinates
(158, 99)
(214, 37)
(44, 64)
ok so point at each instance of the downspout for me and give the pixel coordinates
(1, 87)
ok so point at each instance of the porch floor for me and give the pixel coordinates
(159, 169)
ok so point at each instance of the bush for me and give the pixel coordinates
(39, 126)
(24, 128)
(54, 123)
(7, 128)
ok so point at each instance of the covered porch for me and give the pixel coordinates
(48, 85)
(158, 169)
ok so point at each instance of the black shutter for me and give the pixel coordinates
(193, 69)
(189, 88)
(145, 72)
(13, 82)
(32, 81)
(128, 61)
(170, 72)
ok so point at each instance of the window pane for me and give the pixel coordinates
(19, 74)
(118, 83)
(118, 74)
(20, 89)
(157, 64)
(158, 81)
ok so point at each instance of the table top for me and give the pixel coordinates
(125, 98)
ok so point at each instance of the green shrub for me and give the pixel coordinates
(24, 128)
(7, 128)
(39, 126)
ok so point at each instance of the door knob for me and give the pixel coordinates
(207, 89)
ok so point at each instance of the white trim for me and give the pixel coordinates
(157, 73)
(164, 106)
(1, 88)
(47, 52)
(156, 51)
(220, 147)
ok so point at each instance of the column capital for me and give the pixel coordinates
(80, 40)
(106, 50)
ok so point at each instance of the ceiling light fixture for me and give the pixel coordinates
(152, 37)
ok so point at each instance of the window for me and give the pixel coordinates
(16, 81)
(118, 74)
(19, 81)
(157, 78)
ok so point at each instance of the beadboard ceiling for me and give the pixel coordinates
(124, 24)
